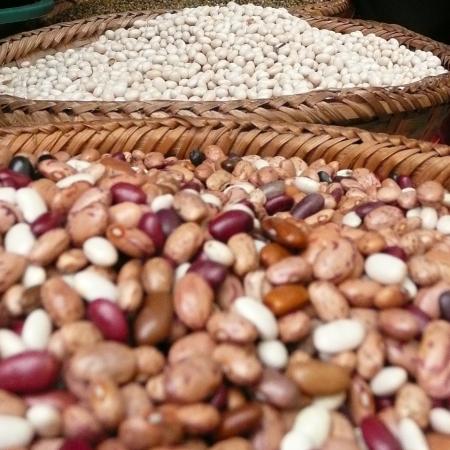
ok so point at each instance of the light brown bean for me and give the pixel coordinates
(231, 327)
(328, 302)
(412, 401)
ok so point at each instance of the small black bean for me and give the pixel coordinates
(230, 163)
(44, 157)
(323, 176)
(22, 165)
(197, 157)
(444, 305)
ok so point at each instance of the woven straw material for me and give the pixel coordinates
(415, 110)
(352, 147)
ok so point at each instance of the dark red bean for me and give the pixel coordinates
(46, 222)
(438, 402)
(377, 436)
(76, 444)
(421, 317)
(214, 273)
(365, 208)
(383, 402)
(17, 326)
(337, 193)
(150, 224)
(229, 223)
(28, 372)
(195, 185)
(404, 181)
(57, 399)
(44, 157)
(169, 220)
(220, 398)
(279, 203)
(109, 319)
(201, 257)
(273, 189)
(247, 203)
(339, 178)
(308, 206)
(9, 178)
(119, 155)
(127, 192)
(398, 252)
(444, 305)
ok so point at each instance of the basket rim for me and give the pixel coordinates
(366, 103)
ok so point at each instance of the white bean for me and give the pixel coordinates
(385, 269)
(100, 251)
(273, 354)
(19, 239)
(388, 381)
(46, 420)
(92, 286)
(15, 432)
(37, 329)
(314, 422)
(338, 336)
(10, 343)
(411, 436)
(440, 420)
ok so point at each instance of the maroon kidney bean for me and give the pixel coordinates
(247, 203)
(273, 189)
(444, 305)
(28, 372)
(278, 204)
(46, 222)
(9, 178)
(398, 252)
(308, 206)
(438, 402)
(76, 444)
(421, 317)
(229, 223)
(109, 319)
(127, 192)
(195, 185)
(17, 326)
(220, 398)
(151, 225)
(377, 436)
(57, 399)
(383, 402)
(214, 273)
(365, 208)
(169, 220)
(119, 155)
(404, 181)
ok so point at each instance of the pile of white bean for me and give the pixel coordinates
(218, 53)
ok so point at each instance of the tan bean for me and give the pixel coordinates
(130, 296)
(190, 207)
(433, 368)
(230, 289)
(184, 242)
(192, 380)
(371, 242)
(71, 261)
(370, 355)
(12, 267)
(347, 360)
(48, 444)
(253, 283)
(11, 404)
(390, 297)
(193, 299)
(131, 241)
(135, 401)
(339, 444)
(293, 269)
(382, 217)
(106, 402)
(46, 188)
(240, 365)
(367, 316)
(91, 196)
(137, 433)
(157, 275)
(362, 403)
(198, 418)
(61, 301)
(398, 324)
(55, 170)
(423, 271)
(79, 422)
(111, 359)
(131, 270)
(191, 345)
(430, 192)
(402, 354)
(294, 326)
(231, 327)
(407, 200)
(437, 441)
(9, 215)
(111, 444)
(156, 389)
(427, 299)
(126, 214)
(79, 334)
(235, 443)
(271, 430)
(245, 254)
(149, 362)
(412, 401)
(64, 199)
(90, 221)
(328, 302)
(341, 427)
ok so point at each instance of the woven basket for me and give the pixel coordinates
(415, 110)
(352, 147)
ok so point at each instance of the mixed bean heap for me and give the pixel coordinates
(221, 302)
(217, 53)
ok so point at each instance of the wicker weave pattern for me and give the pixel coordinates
(420, 106)
(352, 147)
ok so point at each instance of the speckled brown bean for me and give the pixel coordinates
(49, 246)
(245, 254)
(370, 355)
(79, 422)
(293, 269)
(154, 320)
(390, 297)
(135, 400)
(65, 198)
(319, 378)
(11, 405)
(192, 380)
(193, 300)
(284, 299)
(341, 427)
(149, 362)
(269, 434)
(430, 192)
(111, 444)
(412, 401)
(190, 207)
(131, 241)
(398, 324)
(63, 303)
(126, 214)
(360, 292)
(230, 289)
(157, 275)
(423, 271)
(130, 295)
(272, 253)
(71, 261)
(136, 433)
(90, 221)
(193, 344)
(231, 327)
(131, 270)
(403, 354)
(55, 170)
(9, 215)
(106, 402)
(239, 364)
(235, 443)
(12, 267)
(240, 421)
(371, 242)
(328, 302)
(184, 242)
(433, 369)
(382, 217)
(294, 326)
(198, 418)
(362, 403)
